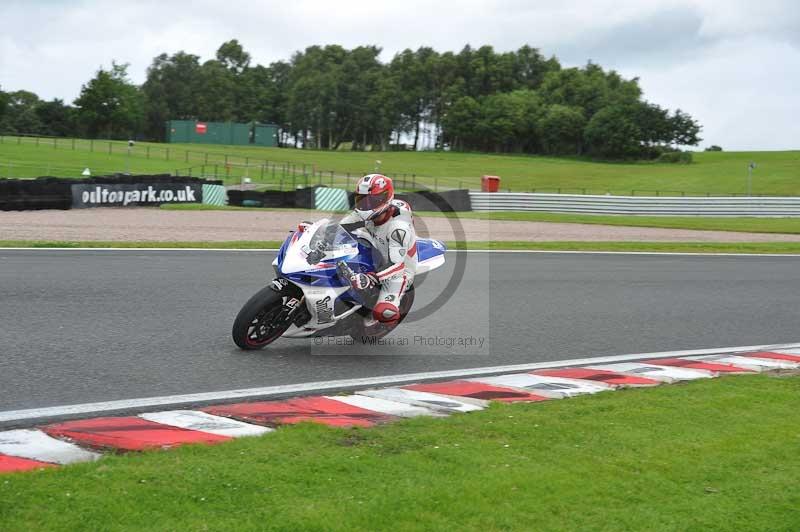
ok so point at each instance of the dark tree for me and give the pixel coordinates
(110, 106)
(329, 97)
(171, 91)
(613, 132)
(232, 56)
(56, 118)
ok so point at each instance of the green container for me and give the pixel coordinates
(230, 133)
(216, 133)
(265, 135)
(241, 134)
(178, 131)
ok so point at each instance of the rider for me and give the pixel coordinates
(388, 225)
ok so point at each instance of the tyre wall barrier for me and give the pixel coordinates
(305, 198)
(56, 192)
(335, 199)
(34, 194)
(268, 198)
(637, 205)
(129, 195)
(302, 198)
(449, 201)
(425, 200)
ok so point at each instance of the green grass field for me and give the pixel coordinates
(712, 172)
(714, 455)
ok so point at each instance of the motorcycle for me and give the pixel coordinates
(312, 294)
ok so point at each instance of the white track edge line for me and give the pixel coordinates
(541, 251)
(323, 386)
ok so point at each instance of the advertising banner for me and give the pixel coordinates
(132, 195)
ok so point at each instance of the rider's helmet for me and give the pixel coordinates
(373, 194)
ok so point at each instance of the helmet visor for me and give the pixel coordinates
(371, 202)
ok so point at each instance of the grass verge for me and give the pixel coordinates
(657, 247)
(701, 456)
(236, 244)
(712, 172)
(747, 224)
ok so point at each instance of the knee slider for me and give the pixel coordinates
(386, 312)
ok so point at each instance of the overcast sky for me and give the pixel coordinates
(732, 64)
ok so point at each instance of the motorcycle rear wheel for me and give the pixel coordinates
(261, 321)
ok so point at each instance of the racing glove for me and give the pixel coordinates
(364, 281)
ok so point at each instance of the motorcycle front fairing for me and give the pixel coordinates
(327, 296)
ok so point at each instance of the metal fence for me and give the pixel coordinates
(112, 156)
(637, 205)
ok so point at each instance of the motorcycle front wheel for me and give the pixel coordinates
(262, 320)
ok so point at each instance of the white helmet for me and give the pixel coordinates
(374, 192)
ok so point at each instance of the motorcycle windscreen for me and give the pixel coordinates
(334, 241)
(311, 259)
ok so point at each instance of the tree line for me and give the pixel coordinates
(327, 97)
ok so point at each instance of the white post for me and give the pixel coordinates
(128, 159)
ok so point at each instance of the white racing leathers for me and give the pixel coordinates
(396, 241)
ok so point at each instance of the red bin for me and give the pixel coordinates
(490, 183)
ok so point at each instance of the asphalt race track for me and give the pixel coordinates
(84, 326)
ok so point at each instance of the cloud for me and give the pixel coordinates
(668, 36)
(779, 20)
(739, 90)
(727, 62)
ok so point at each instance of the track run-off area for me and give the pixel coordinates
(83, 326)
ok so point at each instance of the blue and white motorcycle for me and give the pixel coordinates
(312, 295)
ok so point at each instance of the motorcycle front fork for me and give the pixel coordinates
(293, 307)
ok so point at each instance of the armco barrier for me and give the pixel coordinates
(636, 205)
